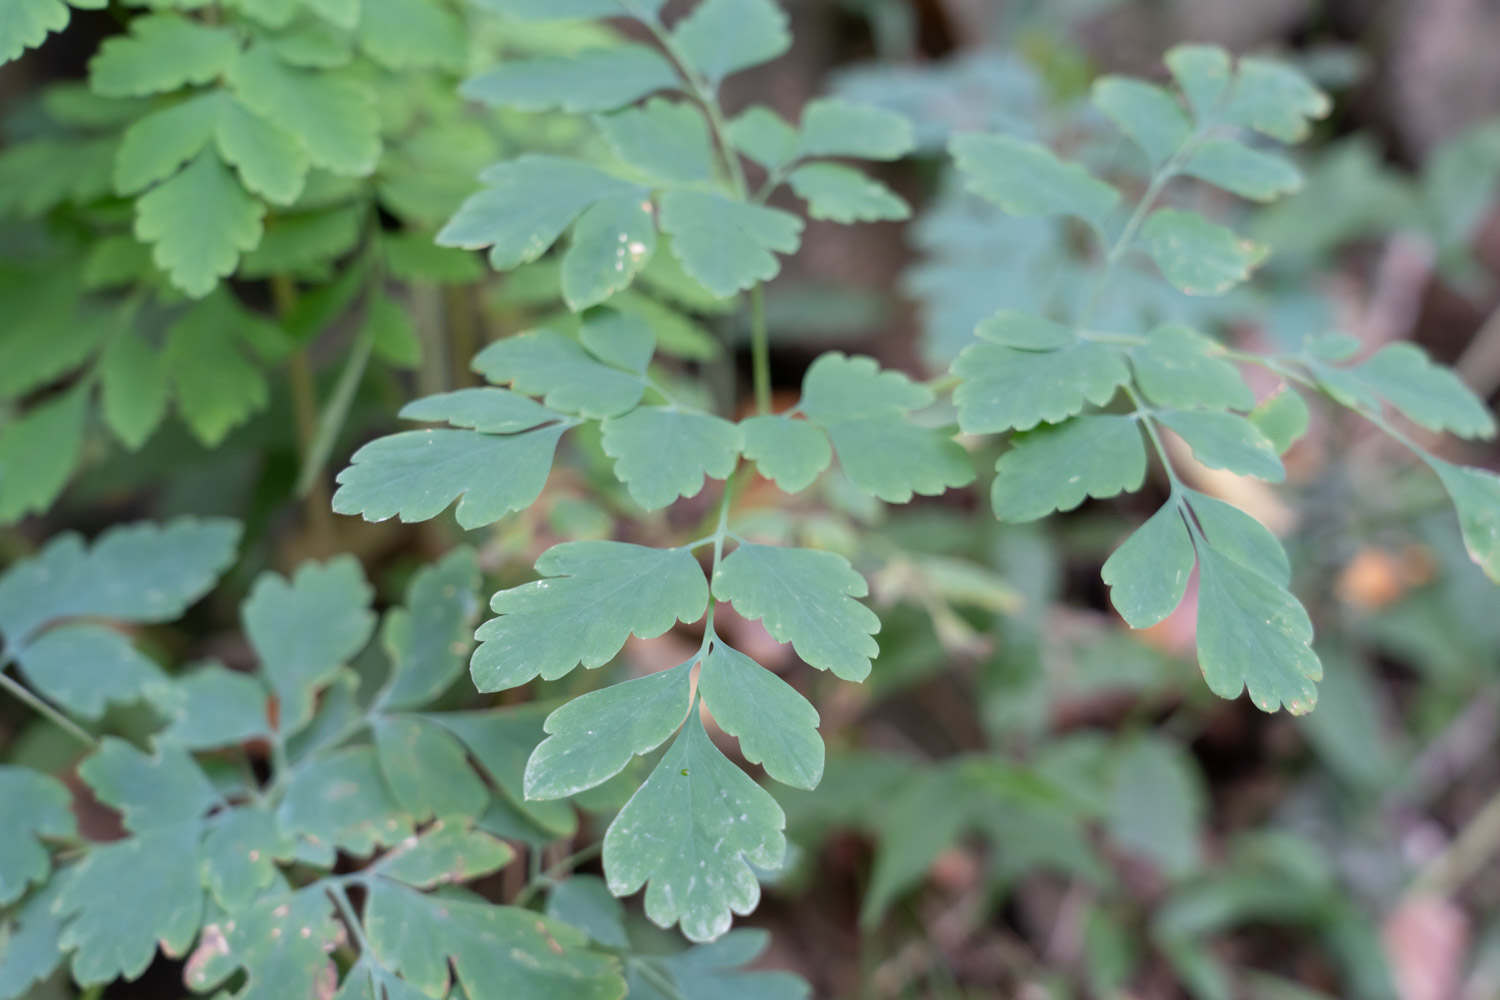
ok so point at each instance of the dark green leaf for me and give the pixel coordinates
(1148, 574)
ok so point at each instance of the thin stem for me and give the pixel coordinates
(1143, 414)
(760, 351)
(305, 408)
(658, 979)
(56, 717)
(704, 94)
(542, 879)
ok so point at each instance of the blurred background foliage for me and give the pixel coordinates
(1026, 800)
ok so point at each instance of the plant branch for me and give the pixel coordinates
(53, 715)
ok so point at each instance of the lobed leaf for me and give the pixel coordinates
(1002, 388)
(215, 386)
(662, 453)
(1180, 367)
(331, 115)
(836, 127)
(239, 855)
(1282, 418)
(791, 452)
(1148, 574)
(133, 388)
(764, 136)
(340, 802)
(1056, 467)
(85, 667)
(284, 943)
(156, 145)
(1197, 256)
(777, 727)
(589, 80)
(1476, 496)
(198, 223)
(1253, 635)
(1275, 99)
(843, 194)
(613, 240)
(31, 951)
(726, 245)
(270, 161)
(25, 24)
(491, 411)
(162, 52)
(427, 769)
(412, 34)
(445, 853)
(1247, 172)
(1149, 115)
(1425, 393)
(665, 139)
(720, 37)
(36, 806)
(546, 363)
(428, 638)
(1025, 178)
(1226, 441)
(1203, 73)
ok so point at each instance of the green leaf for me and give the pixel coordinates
(662, 453)
(721, 37)
(764, 136)
(838, 387)
(568, 10)
(1057, 466)
(162, 52)
(1180, 367)
(714, 970)
(125, 897)
(446, 853)
(38, 452)
(1197, 256)
(666, 139)
(492, 411)
(1252, 634)
(210, 707)
(155, 146)
(589, 80)
(501, 741)
(1025, 332)
(806, 598)
(792, 452)
(1157, 805)
(547, 364)
(428, 639)
(593, 737)
(1275, 99)
(413, 257)
(726, 245)
(340, 13)
(1476, 496)
(624, 340)
(585, 902)
(418, 474)
(1282, 418)
(1202, 71)
(29, 952)
(1002, 389)
(142, 573)
(777, 727)
(1226, 441)
(1240, 537)
(1426, 394)
(1242, 170)
(152, 793)
(340, 801)
(330, 114)
(891, 458)
(615, 238)
(690, 834)
(133, 386)
(216, 387)
(284, 943)
(498, 952)
(843, 194)
(270, 161)
(427, 770)
(36, 806)
(1148, 574)
(25, 24)
(198, 223)
(305, 241)
(597, 595)
(83, 668)
(239, 855)
(832, 126)
(393, 334)
(1149, 115)
(1025, 178)
(526, 205)
(412, 34)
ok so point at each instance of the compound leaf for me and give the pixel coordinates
(1149, 115)
(776, 726)
(1056, 467)
(166, 790)
(86, 667)
(36, 806)
(593, 737)
(1025, 178)
(843, 194)
(1148, 574)
(791, 452)
(198, 223)
(428, 638)
(721, 37)
(590, 80)
(807, 598)
(1182, 368)
(340, 801)
(597, 595)
(1427, 394)
(764, 136)
(1247, 172)
(162, 52)
(548, 364)
(690, 834)
(1002, 388)
(416, 475)
(832, 126)
(1226, 441)
(727, 245)
(1197, 256)
(662, 453)
(427, 769)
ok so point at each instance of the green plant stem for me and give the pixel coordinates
(53, 715)
(760, 351)
(305, 409)
(463, 331)
(340, 899)
(1143, 415)
(542, 879)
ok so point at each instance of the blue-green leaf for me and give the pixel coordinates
(726, 245)
(1002, 388)
(1148, 574)
(777, 727)
(1025, 178)
(1056, 467)
(590, 80)
(36, 806)
(662, 453)
(1145, 112)
(546, 363)
(1197, 256)
(720, 37)
(1226, 441)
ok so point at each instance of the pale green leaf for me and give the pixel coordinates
(270, 161)
(1157, 805)
(807, 598)
(1248, 172)
(284, 943)
(306, 628)
(25, 24)
(330, 114)
(162, 52)
(412, 34)
(198, 223)
(1197, 256)
(445, 853)
(427, 769)
(1226, 441)
(1149, 115)
(547, 364)
(791, 452)
(85, 667)
(1182, 368)
(593, 737)
(726, 245)
(1283, 418)
(215, 386)
(891, 458)
(690, 834)
(843, 194)
(662, 453)
(1252, 634)
(1476, 496)
(838, 387)
(836, 127)
(764, 136)
(777, 727)
(1025, 332)
(1425, 393)
(1025, 178)
(622, 339)
(1275, 99)
(614, 238)
(311, 43)
(1002, 388)
(1202, 71)
(133, 385)
(525, 206)
(714, 970)
(595, 596)
(36, 806)
(428, 638)
(418, 474)
(720, 37)
(1056, 467)
(493, 411)
(29, 952)
(167, 790)
(239, 855)
(589, 80)
(666, 139)
(210, 707)
(155, 146)
(340, 801)
(38, 452)
(1148, 574)
(1240, 537)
